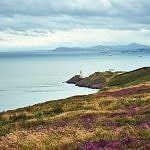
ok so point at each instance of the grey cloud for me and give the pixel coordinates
(48, 7)
(2, 39)
(66, 14)
(39, 24)
(75, 7)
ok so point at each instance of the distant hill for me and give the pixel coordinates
(130, 48)
(134, 48)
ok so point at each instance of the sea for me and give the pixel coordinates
(30, 79)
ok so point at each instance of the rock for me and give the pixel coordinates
(97, 80)
(75, 79)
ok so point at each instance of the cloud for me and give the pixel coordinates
(48, 7)
(73, 37)
(62, 14)
(75, 7)
(46, 18)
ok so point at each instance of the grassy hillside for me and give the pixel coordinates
(131, 78)
(97, 80)
(100, 80)
(103, 120)
(117, 118)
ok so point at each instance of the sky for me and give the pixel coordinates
(47, 24)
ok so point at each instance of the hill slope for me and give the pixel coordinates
(100, 80)
(96, 80)
(131, 78)
(106, 120)
(112, 119)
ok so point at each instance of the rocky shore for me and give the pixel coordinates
(97, 80)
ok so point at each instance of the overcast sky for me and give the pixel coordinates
(44, 24)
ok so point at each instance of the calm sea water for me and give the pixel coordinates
(27, 80)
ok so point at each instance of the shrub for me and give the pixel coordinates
(19, 117)
(4, 130)
(127, 121)
(57, 109)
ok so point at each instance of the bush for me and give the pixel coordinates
(57, 109)
(4, 130)
(127, 121)
(19, 117)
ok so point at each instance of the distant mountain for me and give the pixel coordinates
(99, 49)
(130, 48)
(137, 46)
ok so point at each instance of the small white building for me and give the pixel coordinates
(81, 74)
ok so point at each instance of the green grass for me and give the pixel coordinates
(97, 78)
(131, 78)
(107, 79)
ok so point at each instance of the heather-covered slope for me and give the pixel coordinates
(115, 118)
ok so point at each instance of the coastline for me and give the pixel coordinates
(66, 91)
(96, 81)
(117, 116)
(85, 91)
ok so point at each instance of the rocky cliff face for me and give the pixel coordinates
(99, 80)
(75, 79)
(95, 81)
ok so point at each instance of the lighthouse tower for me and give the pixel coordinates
(81, 74)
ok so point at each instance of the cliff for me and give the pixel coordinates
(100, 80)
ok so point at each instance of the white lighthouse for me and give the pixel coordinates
(81, 74)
